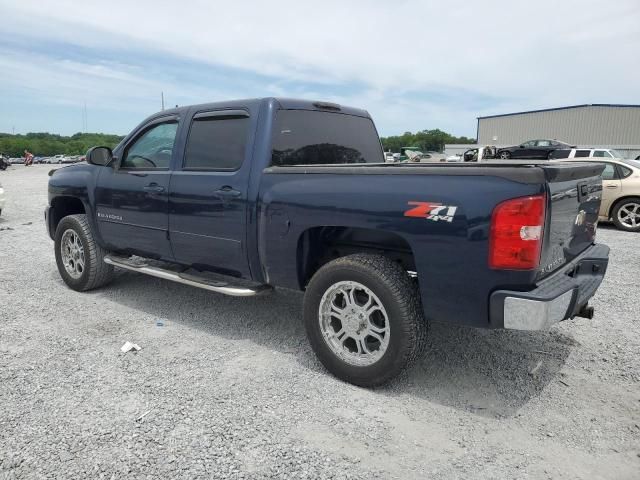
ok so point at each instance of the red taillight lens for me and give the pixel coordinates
(515, 240)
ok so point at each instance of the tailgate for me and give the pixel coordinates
(575, 192)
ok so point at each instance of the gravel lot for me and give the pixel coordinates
(231, 389)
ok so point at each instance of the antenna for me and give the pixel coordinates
(162, 99)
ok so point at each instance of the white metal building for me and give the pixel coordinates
(593, 125)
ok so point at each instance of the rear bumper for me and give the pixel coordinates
(556, 298)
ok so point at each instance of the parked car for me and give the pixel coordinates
(4, 162)
(416, 156)
(586, 153)
(297, 194)
(620, 191)
(2, 199)
(532, 149)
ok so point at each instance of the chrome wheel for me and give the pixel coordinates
(354, 323)
(505, 155)
(72, 253)
(629, 215)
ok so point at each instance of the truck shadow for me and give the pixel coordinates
(487, 372)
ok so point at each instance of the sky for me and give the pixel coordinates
(413, 65)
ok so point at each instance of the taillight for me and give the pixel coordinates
(515, 239)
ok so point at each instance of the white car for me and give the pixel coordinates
(2, 199)
(586, 153)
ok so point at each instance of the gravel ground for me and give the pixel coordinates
(229, 388)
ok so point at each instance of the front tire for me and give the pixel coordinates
(364, 319)
(626, 214)
(505, 155)
(79, 258)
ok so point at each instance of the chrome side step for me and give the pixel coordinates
(141, 266)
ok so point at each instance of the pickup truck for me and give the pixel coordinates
(242, 196)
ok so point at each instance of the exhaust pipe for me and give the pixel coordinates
(586, 312)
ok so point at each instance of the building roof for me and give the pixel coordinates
(562, 108)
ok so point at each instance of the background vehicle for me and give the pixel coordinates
(620, 192)
(4, 162)
(416, 156)
(586, 153)
(61, 158)
(534, 149)
(296, 194)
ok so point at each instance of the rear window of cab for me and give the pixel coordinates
(308, 137)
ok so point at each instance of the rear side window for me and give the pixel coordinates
(624, 171)
(581, 153)
(601, 154)
(305, 137)
(216, 143)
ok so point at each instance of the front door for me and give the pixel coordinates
(208, 194)
(611, 188)
(132, 205)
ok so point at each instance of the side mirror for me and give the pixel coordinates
(521, 146)
(101, 156)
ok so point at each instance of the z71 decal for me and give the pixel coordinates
(431, 211)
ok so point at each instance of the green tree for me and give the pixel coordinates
(44, 144)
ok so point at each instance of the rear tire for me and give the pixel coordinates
(79, 258)
(626, 214)
(364, 319)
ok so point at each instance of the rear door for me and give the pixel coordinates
(132, 198)
(208, 193)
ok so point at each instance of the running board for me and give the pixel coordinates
(141, 266)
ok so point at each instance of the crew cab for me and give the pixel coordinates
(243, 196)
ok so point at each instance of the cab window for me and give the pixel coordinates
(304, 137)
(582, 153)
(216, 143)
(152, 150)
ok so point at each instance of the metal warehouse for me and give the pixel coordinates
(595, 125)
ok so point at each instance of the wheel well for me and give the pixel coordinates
(617, 202)
(320, 245)
(62, 207)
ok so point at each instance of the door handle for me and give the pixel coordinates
(154, 188)
(611, 186)
(226, 193)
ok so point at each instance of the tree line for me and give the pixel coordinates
(425, 140)
(48, 144)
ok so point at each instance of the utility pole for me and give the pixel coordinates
(84, 118)
(162, 99)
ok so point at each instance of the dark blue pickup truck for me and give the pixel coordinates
(242, 196)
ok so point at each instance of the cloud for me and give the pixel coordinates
(413, 64)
